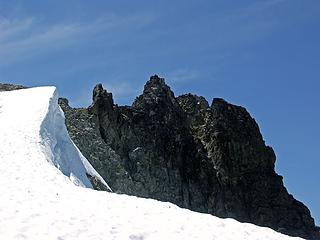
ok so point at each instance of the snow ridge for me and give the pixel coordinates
(60, 149)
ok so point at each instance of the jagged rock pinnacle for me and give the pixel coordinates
(218, 101)
(100, 94)
(155, 79)
(155, 92)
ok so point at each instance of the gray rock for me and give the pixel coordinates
(209, 159)
(10, 87)
(86, 136)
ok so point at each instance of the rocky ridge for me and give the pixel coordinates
(208, 158)
(10, 87)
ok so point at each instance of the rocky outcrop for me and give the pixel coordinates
(103, 158)
(244, 165)
(10, 87)
(208, 158)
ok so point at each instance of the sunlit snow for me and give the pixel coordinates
(45, 193)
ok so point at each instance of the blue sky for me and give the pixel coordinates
(262, 54)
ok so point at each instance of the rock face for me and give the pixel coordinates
(208, 158)
(86, 136)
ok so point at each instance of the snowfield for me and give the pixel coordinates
(46, 195)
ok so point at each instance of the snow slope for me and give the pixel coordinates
(41, 174)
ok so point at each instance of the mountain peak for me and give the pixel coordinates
(100, 93)
(156, 85)
(156, 79)
(101, 99)
(156, 91)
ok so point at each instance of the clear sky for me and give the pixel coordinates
(262, 54)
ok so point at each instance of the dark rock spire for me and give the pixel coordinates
(155, 92)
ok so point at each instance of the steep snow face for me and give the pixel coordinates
(60, 150)
(36, 110)
(40, 168)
